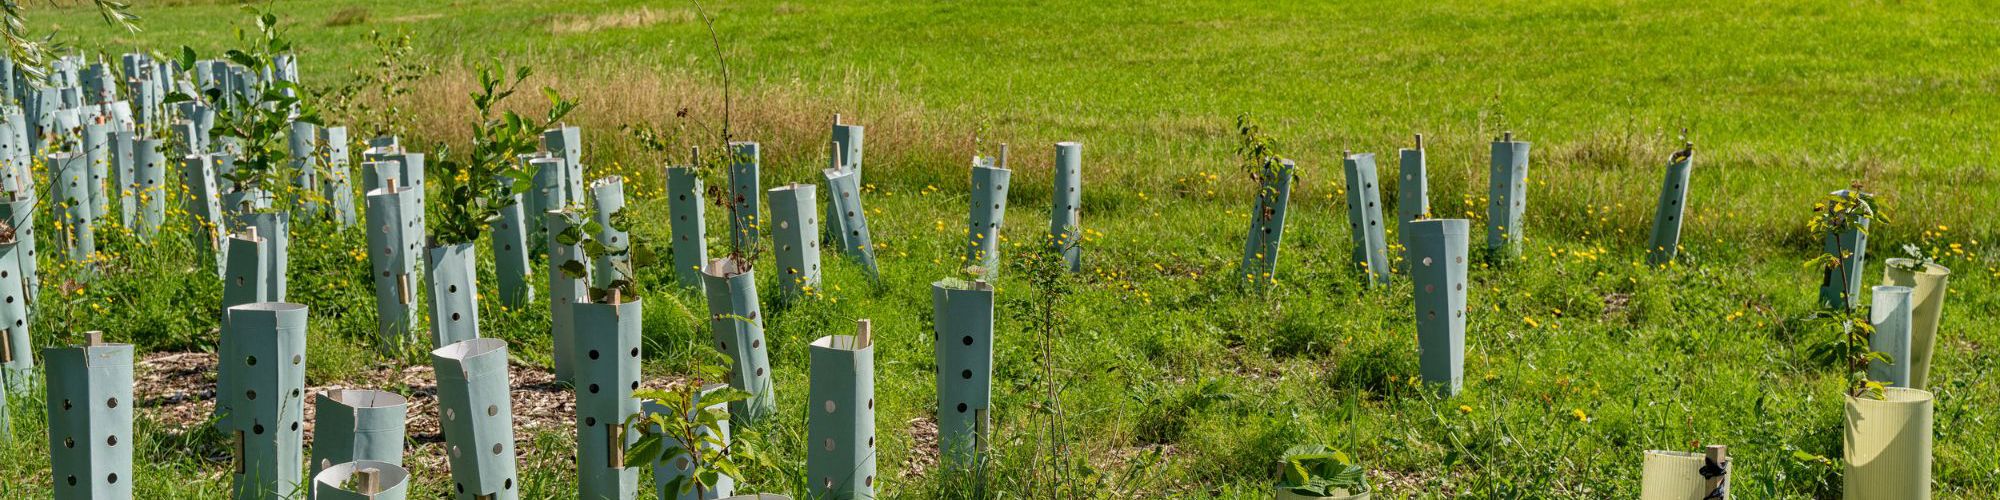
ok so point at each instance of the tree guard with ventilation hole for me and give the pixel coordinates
(1438, 248)
(17, 360)
(1364, 218)
(357, 425)
(339, 185)
(607, 198)
(685, 209)
(607, 371)
(1413, 195)
(1665, 242)
(844, 199)
(511, 259)
(301, 142)
(746, 218)
(987, 211)
(264, 351)
(1267, 225)
(738, 330)
(90, 421)
(276, 229)
(393, 240)
(70, 172)
(840, 431)
(247, 280)
(454, 292)
(203, 201)
(1507, 196)
(795, 236)
(564, 292)
(545, 193)
(567, 142)
(963, 328)
(1066, 207)
(18, 210)
(149, 184)
(477, 417)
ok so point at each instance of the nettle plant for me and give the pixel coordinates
(479, 184)
(259, 123)
(1314, 470)
(698, 435)
(1833, 217)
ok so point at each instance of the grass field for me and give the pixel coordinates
(1176, 382)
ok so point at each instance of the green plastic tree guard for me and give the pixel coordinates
(564, 290)
(124, 175)
(1927, 282)
(607, 197)
(204, 203)
(276, 229)
(376, 174)
(1890, 315)
(746, 217)
(1066, 209)
(795, 235)
(1364, 218)
(607, 338)
(410, 173)
(301, 142)
(1840, 285)
(1438, 248)
(738, 328)
(1665, 243)
(840, 431)
(351, 425)
(546, 194)
(1267, 225)
(264, 345)
(90, 420)
(97, 155)
(567, 142)
(70, 172)
(848, 139)
(248, 279)
(666, 469)
(362, 480)
(845, 200)
(19, 212)
(454, 291)
(988, 211)
(478, 418)
(1413, 195)
(510, 254)
(339, 188)
(17, 360)
(690, 237)
(149, 185)
(393, 240)
(1507, 195)
(964, 349)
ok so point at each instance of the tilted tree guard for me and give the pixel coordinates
(795, 237)
(1840, 285)
(90, 420)
(1438, 253)
(263, 356)
(840, 428)
(1267, 225)
(844, 200)
(1665, 242)
(1364, 218)
(477, 416)
(203, 202)
(738, 329)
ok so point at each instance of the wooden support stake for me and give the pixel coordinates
(368, 481)
(6, 350)
(863, 334)
(1508, 136)
(391, 184)
(1003, 156)
(614, 445)
(1420, 141)
(979, 428)
(242, 465)
(403, 288)
(1716, 471)
(93, 338)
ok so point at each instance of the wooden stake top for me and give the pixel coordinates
(93, 338)
(863, 333)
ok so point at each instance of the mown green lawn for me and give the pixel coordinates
(1176, 381)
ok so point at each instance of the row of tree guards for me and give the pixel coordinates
(104, 153)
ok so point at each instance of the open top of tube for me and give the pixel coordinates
(839, 343)
(269, 306)
(467, 349)
(367, 398)
(726, 267)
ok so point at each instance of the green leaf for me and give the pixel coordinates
(645, 451)
(575, 270)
